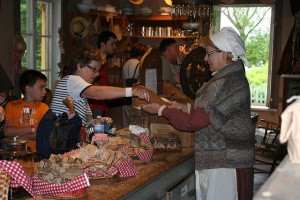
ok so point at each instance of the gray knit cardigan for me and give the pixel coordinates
(228, 142)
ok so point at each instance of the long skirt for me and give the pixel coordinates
(224, 183)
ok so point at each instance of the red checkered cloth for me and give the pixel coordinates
(19, 178)
(127, 168)
(36, 186)
(142, 155)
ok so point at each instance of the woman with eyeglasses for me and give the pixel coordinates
(221, 120)
(84, 69)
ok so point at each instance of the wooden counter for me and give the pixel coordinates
(282, 184)
(152, 182)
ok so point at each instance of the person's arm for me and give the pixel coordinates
(79, 87)
(195, 121)
(180, 120)
(109, 92)
(26, 132)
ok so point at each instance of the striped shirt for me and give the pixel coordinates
(72, 86)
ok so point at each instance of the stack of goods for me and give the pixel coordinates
(101, 162)
(139, 146)
(165, 136)
(58, 170)
(166, 142)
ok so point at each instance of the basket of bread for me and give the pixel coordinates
(103, 162)
(139, 146)
(52, 178)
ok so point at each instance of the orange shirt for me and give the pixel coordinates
(23, 114)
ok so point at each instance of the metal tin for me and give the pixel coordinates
(158, 31)
(14, 144)
(169, 31)
(164, 31)
(149, 31)
(143, 31)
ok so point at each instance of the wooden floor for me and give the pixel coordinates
(259, 179)
(260, 175)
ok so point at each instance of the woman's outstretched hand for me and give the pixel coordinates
(141, 93)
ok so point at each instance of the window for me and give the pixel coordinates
(254, 23)
(40, 21)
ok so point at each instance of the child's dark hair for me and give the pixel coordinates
(29, 78)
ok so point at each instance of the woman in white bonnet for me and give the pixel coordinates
(221, 120)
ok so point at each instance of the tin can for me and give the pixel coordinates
(169, 31)
(158, 31)
(143, 31)
(149, 31)
(164, 31)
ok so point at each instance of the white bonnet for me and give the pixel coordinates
(229, 40)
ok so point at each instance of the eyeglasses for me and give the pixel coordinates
(94, 69)
(214, 51)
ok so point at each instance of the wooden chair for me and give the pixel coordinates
(271, 131)
(270, 152)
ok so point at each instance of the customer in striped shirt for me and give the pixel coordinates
(85, 66)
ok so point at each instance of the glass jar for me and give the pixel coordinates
(139, 117)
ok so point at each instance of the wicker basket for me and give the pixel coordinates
(4, 185)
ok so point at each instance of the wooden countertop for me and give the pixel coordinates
(121, 188)
(152, 182)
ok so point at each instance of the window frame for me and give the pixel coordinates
(273, 79)
(52, 53)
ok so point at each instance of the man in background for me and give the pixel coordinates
(107, 45)
(170, 54)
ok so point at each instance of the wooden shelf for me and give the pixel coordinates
(103, 14)
(140, 17)
(156, 18)
(160, 37)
